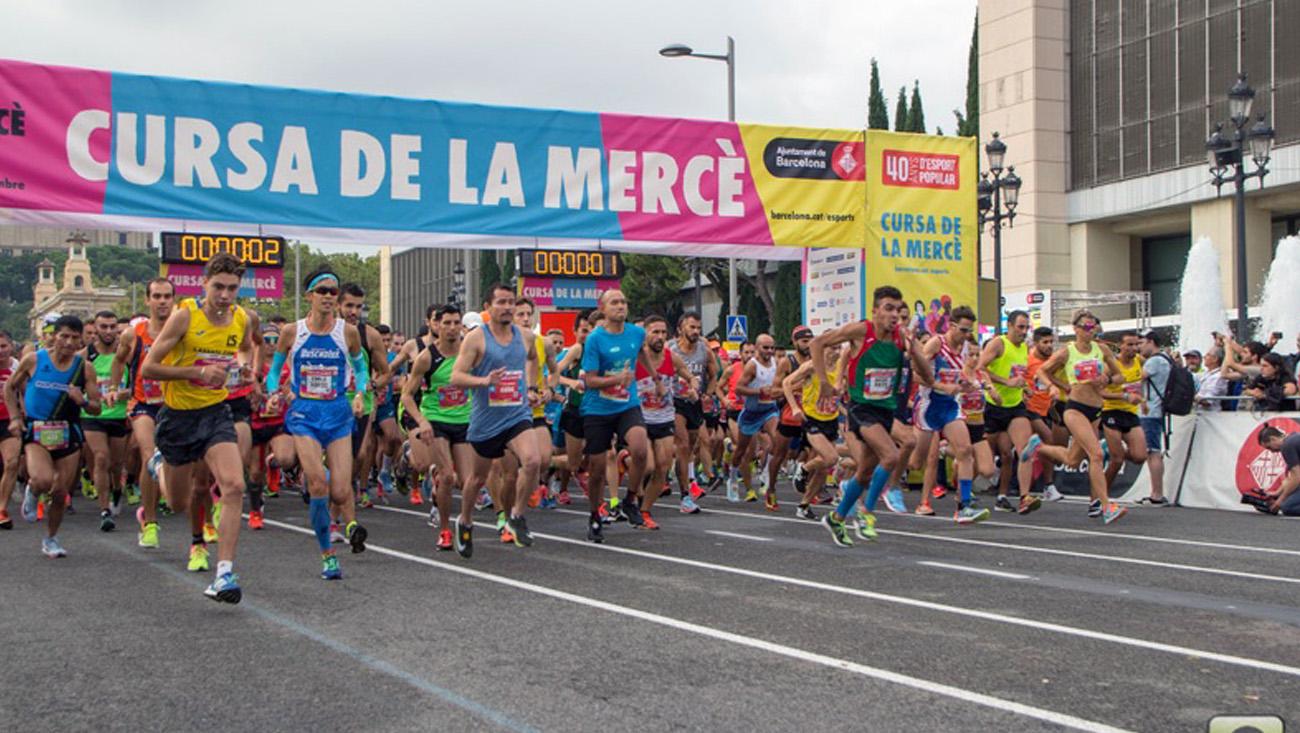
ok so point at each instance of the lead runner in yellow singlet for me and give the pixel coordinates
(197, 357)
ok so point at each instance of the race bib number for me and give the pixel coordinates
(226, 362)
(878, 383)
(317, 382)
(508, 392)
(152, 391)
(650, 398)
(449, 396)
(1019, 370)
(51, 434)
(972, 401)
(1086, 371)
(1133, 389)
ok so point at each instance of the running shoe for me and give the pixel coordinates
(1158, 501)
(255, 519)
(839, 534)
(594, 531)
(800, 478)
(198, 559)
(209, 532)
(866, 525)
(463, 537)
(330, 569)
(939, 491)
(1003, 504)
(88, 489)
(1029, 503)
(51, 548)
(417, 497)
(805, 512)
(1113, 511)
(364, 501)
(688, 506)
(563, 497)
(518, 527)
(433, 515)
(770, 503)
(5, 521)
(924, 509)
(132, 494)
(895, 501)
(225, 589)
(1094, 508)
(694, 491)
(970, 514)
(40, 509)
(1031, 448)
(751, 496)
(444, 543)
(106, 523)
(30, 506)
(632, 512)
(271, 491)
(484, 500)
(536, 496)
(115, 506)
(733, 495)
(648, 522)
(505, 535)
(1051, 493)
(356, 535)
(148, 536)
(605, 515)
(548, 501)
(386, 481)
(713, 483)
(336, 533)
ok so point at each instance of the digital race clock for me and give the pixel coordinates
(196, 248)
(568, 263)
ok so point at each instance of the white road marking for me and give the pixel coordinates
(1174, 649)
(884, 675)
(968, 569)
(738, 535)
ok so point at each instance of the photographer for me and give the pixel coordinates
(1286, 500)
(1291, 360)
(1273, 389)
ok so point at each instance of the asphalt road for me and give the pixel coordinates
(732, 619)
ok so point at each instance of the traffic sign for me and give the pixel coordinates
(738, 329)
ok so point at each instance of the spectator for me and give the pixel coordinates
(1273, 389)
(1195, 364)
(1241, 363)
(1151, 415)
(1291, 360)
(1286, 500)
(1212, 383)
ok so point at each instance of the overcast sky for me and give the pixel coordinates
(804, 63)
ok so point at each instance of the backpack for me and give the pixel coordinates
(1180, 390)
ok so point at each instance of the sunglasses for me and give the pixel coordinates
(326, 291)
(1090, 326)
(270, 339)
(963, 330)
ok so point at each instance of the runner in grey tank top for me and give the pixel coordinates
(495, 409)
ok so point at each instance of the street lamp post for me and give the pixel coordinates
(1228, 164)
(679, 50)
(998, 197)
(458, 285)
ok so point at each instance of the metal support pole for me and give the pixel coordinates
(1239, 180)
(699, 298)
(733, 300)
(997, 247)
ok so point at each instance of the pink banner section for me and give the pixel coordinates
(547, 292)
(682, 180)
(262, 283)
(43, 106)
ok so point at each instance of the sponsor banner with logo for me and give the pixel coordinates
(922, 223)
(262, 283)
(1227, 459)
(120, 150)
(555, 292)
(1037, 303)
(832, 291)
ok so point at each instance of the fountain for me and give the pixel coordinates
(1280, 303)
(1200, 299)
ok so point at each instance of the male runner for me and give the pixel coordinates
(879, 349)
(758, 387)
(499, 363)
(611, 406)
(106, 432)
(789, 425)
(196, 356)
(146, 399)
(351, 302)
(389, 437)
(405, 356)
(657, 373)
(821, 425)
(323, 352)
(690, 412)
(570, 371)
(438, 425)
(11, 443)
(1125, 438)
(525, 311)
(1041, 403)
(273, 453)
(1005, 360)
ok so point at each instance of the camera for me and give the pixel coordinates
(1260, 499)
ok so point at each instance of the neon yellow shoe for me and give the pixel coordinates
(209, 532)
(866, 526)
(148, 536)
(751, 495)
(88, 489)
(198, 559)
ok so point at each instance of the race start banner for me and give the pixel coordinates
(260, 283)
(116, 150)
(922, 221)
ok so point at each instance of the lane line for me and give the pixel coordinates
(1257, 664)
(884, 675)
(738, 535)
(981, 571)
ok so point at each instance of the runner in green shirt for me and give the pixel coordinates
(106, 433)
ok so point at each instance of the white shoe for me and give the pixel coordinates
(1051, 493)
(433, 516)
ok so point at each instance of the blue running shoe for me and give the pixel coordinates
(29, 505)
(689, 506)
(330, 569)
(1031, 448)
(51, 548)
(225, 589)
(894, 500)
(386, 480)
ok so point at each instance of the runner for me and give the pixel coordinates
(525, 311)
(1125, 438)
(789, 426)
(757, 387)
(880, 347)
(1041, 402)
(658, 372)
(11, 443)
(1005, 360)
(106, 432)
(352, 300)
(273, 454)
(56, 384)
(146, 399)
(405, 356)
(903, 430)
(570, 370)
(389, 437)
(611, 406)
(1089, 367)
(438, 425)
(323, 352)
(691, 413)
(821, 423)
(502, 377)
(196, 358)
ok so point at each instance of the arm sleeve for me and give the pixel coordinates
(360, 369)
(273, 376)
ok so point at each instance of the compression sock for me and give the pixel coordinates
(965, 490)
(852, 490)
(255, 497)
(320, 521)
(877, 487)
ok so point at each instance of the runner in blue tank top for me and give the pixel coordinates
(52, 383)
(498, 364)
(323, 351)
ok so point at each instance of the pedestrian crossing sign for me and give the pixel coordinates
(737, 329)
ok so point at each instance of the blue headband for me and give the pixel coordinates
(323, 276)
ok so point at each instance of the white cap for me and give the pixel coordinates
(473, 319)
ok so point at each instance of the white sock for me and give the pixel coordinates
(690, 471)
(224, 566)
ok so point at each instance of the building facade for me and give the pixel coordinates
(421, 276)
(1105, 107)
(21, 239)
(78, 295)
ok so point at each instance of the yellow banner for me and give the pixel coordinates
(922, 221)
(811, 183)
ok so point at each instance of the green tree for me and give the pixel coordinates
(508, 268)
(901, 120)
(915, 111)
(877, 110)
(968, 125)
(488, 272)
(787, 311)
(653, 284)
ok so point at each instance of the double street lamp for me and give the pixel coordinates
(999, 193)
(1227, 164)
(681, 50)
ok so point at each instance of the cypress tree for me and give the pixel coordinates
(877, 110)
(915, 111)
(968, 125)
(900, 111)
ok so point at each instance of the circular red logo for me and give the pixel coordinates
(1260, 468)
